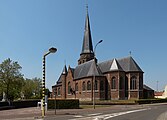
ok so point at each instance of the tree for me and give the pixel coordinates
(11, 79)
(31, 88)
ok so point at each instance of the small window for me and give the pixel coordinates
(88, 85)
(76, 87)
(102, 85)
(69, 88)
(83, 86)
(121, 83)
(58, 93)
(113, 83)
(55, 91)
(96, 85)
(133, 82)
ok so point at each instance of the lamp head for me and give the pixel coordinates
(52, 50)
(100, 41)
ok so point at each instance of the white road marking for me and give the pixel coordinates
(78, 116)
(94, 114)
(122, 113)
(107, 116)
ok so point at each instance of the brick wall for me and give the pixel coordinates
(107, 93)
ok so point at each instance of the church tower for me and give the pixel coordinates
(87, 53)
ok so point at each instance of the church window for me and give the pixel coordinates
(83, 86)
(69, 88)
(102, 85)
(133, 83)
(55, 91)
(58, 93)
(76, 87)
(113, 83)
(121, 83)
(96, 85)
(88, 85)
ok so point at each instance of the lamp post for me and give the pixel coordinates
(51, 50)
(94, 73)
(55, 93)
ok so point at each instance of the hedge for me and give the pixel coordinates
(25, 103)
(4, 104)
(63, 104)
(149, 101)
(109, 102)
(18, 104)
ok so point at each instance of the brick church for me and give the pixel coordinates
(114, 79)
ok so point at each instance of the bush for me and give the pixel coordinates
(149, 101)
(109, 102)
(4, 104)
(64, 104)
(18, 104)
(25, 103)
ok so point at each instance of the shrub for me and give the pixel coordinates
(64, 104)
(25, 103)
(18, 104)
(149, 101)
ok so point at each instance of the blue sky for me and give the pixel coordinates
(28, 28)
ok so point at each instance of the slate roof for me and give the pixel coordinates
(110, 65)
(147, 88)
(86, 70)
(128, 64)
(87, 46)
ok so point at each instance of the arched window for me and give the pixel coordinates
(88, 85)
(113, 83)
(69, 88)
(83, 86)
(58, 93)
(102, 85)
(96, 85)
(76, 87)
(121, 83)
(133, 83)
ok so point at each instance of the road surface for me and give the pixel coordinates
(115, 112)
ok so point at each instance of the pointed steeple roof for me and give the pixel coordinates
(64, 72)
(87, 46)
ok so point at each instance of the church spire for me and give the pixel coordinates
(87, 40)
(87, 47)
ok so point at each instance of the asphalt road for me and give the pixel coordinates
(150, 113)
(116, 112)
(137, 112)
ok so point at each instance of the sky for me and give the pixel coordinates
(28, 28)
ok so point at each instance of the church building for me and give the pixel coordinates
(113, 79)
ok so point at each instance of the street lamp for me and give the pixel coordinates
(94, 73)
(51, 50)
(55, 93)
